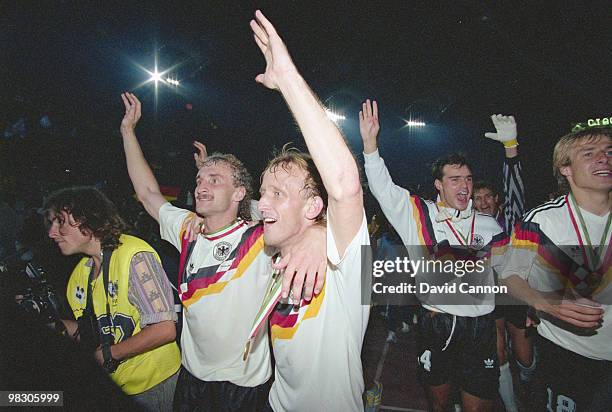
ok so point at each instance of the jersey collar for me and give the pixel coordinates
(225, 231)
(448, 213)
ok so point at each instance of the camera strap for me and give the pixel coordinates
(106, 257)
(89, 306)
(89, 303)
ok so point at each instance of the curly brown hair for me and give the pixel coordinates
(91, 209)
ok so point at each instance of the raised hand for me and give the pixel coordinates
(369, 126)
(201, 156)
(506, 130)
(145, 184)
(132, 112)
(278, 60)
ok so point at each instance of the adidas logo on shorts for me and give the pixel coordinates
(488, 363)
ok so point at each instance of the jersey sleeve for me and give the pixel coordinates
(514, 192)
(533, 257)
(395, 201)
(171, 220)
(522, 251)
(149, 290)
(361, 238)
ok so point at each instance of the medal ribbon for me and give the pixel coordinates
(463, 240)
(270, 300)
(592, 260)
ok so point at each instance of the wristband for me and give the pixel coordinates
(510, 143)
(110, 364)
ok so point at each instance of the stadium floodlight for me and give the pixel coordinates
(335, 117)
(412, 123)
(172, 81)
(155, 76)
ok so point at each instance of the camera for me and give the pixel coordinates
(39, 299)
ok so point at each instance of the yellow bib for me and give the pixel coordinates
(141, 372)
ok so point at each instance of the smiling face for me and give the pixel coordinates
(215, 192)
(285, 205)
(590, 167)
(485, 201)
(67, 234)
(455, 187)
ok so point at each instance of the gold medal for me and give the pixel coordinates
(247, 350)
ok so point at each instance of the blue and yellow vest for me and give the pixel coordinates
(141, 372)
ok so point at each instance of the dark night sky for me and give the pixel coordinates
(451, 64)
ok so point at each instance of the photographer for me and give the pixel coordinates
(119, 295)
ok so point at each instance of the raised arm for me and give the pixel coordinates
(325, 143)
(514, 190)
(145, 184)
(394, 200)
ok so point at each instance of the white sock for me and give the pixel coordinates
(506, 389)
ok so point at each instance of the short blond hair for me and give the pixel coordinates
(562, 155)
(287, 158)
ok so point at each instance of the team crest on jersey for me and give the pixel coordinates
(113, 289)
(80, 294)
(222, 250)
(478, 242)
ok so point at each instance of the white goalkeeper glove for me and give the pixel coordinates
(506, 130)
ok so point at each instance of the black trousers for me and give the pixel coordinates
(192, 394)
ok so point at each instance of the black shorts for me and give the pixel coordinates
(515, 314)
(193, 394)
(573, 382)
(465, 353)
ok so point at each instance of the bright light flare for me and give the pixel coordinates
(156, 76)
(412, 123)
(335, 117)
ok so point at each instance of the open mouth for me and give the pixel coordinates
(462, 197)
(269, 220)
(204, 197)
(603, 173)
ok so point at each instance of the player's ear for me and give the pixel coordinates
(565, 171)
(438, 185)
(239, 194)
(314, 207)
